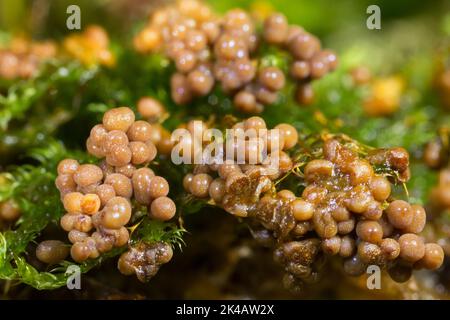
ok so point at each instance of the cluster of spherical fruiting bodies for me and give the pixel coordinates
(345, 209)
(185, 33)
(22, 58)
(98, 198)
(91, 47)
(207, 50)
(93, 201)
(349, 208)
(122, 141)
(127, 147)
(261, 150)
(309, 61)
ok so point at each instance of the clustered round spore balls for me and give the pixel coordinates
(216, 180)
(90, 47)
(309, 61)
(147, 131)
(353, 214)
(98, 198)
(22, 58)
(207, 49)
(185, 32)
(345, 209)
(122, 141)
(440, 194)
(144, 260)
(97, 209)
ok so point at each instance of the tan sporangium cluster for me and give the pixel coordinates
(99, 198)
(309, 60)
(208, 49)
(344, 209)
